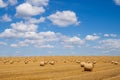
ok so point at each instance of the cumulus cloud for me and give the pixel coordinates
(110, 35)
(45, 46)
(110, 45)
(49, 36)
(30, 36)
(12, 2)
(14, 45)
(92, 37)
(72, 40)
(106, 35)
(68, 46)
(35, 21)
(27, 42)
(22, 27)
(38, 2)
(27, 31)
(64, 18)
(6, 18)
(3, 43)
(113, 35)
(18, 45)
(2, 4)
(8, 33)
(27, 10)
(20, 30)
(11, 33)
(117, 2)
(39, 40)
(35, 43)
(46, 38)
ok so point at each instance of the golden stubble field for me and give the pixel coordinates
(64, 68)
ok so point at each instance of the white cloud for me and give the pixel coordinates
(12, 2)
(69, 46)
(45, 46)
(2, 4)
(31, 35)
(117, 2)
(20, 30)
(3, 43)
(106, 35)
(30, 38)
(110, 43)
(20, 44)
(34, 42)
(92, 37)
(22, 27)
(110, 35)
(49, 36)
(72, 40)
(97, 47)
(11, 33)
(27, 10)
(64, 18)
(41, 39)
(8, 33)
(41, 36)
(38, 43)
(13, 45)
(113, 35)
(27, 42)
(38, 2)
(27, 32)
(44, 38)
(35, 21)
(6, 18)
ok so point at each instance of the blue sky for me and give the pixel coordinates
(59, 27)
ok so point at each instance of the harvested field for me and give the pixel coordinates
(64, 68)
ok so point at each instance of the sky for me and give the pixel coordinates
(59, 27)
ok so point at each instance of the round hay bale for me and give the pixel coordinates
(94, 62)
(52, 62)
(82, 64)
(78, 62)
(42, 63)
(45, 62)
(26, 62)
(11, 62)
(5, 62)
(112, 62)
(116, 63)
(88, 66)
